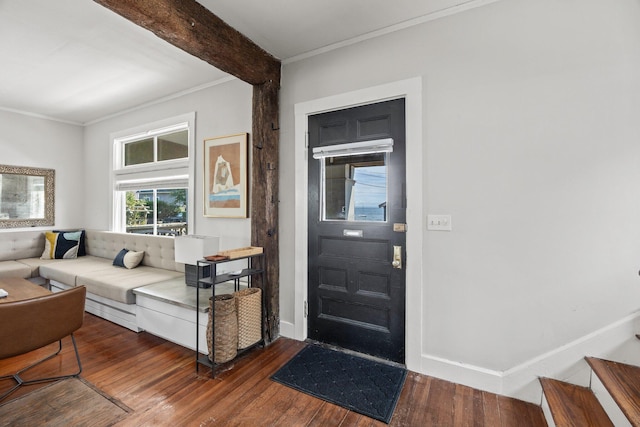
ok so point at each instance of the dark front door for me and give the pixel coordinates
(356, 229)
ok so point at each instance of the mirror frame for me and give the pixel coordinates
(49, 197)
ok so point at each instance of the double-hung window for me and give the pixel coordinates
(153, 177)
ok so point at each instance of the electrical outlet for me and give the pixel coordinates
(439, 222)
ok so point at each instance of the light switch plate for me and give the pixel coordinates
(439, 222)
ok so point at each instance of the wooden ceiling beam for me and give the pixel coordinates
(189, 26)
(193, 28)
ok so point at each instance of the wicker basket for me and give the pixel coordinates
(249, 307)
(226, 328)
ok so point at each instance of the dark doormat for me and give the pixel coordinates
(362, 385)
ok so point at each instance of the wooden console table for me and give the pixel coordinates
(20, 289)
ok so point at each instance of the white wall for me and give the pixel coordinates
(221, 110)
(41, 143)
(530, 142)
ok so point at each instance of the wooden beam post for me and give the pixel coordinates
(264, 198)
(191, 27)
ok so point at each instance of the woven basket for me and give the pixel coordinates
(249, 307)
(226, 329)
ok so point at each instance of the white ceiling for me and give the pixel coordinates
(76, 61)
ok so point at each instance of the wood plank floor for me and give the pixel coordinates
(157, 380)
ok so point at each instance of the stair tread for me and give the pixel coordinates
(573, 405)
(622, 381)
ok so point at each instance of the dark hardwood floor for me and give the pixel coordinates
(157, 380)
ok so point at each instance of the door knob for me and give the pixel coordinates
(397, 257)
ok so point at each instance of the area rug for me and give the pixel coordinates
(362, 385)
(71, 402)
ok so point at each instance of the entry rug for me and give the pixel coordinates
(362, 385)
(70, 402)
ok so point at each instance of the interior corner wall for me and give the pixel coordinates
(530, 142)
(42, 143)
(223, 109)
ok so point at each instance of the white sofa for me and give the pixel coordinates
(109, 288)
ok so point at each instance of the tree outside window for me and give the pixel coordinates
(157, 211)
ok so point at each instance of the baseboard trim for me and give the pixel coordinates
(462, 373)
(565, 363)
(287, 330)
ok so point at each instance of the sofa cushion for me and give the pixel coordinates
(62, 245)
(158, 250)
(66, 270)
(34, 264)
(14, 269)
(21, 244)
(118, 283)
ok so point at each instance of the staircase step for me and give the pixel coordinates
(622, 381)
(572, 405)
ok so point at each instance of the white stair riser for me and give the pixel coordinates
(611, 408)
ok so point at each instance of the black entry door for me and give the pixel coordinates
(356, 201)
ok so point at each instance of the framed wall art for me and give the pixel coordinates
(225, 176)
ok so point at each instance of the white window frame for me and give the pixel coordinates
(176, 173)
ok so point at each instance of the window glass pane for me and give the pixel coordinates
(138, 152)
(355, 187)
(173, 146)
(172, 211)
(162, 211)
(139, 211)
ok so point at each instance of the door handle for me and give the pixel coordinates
(397, 257)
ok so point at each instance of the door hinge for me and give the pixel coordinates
(306, 140)
(306, 309)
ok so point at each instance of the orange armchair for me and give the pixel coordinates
(31, 324)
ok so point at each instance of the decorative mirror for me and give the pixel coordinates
(27, 196)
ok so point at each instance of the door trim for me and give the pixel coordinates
(411, 91)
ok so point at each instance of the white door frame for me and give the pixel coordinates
(411, 91)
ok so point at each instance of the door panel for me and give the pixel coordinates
(356, 297)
